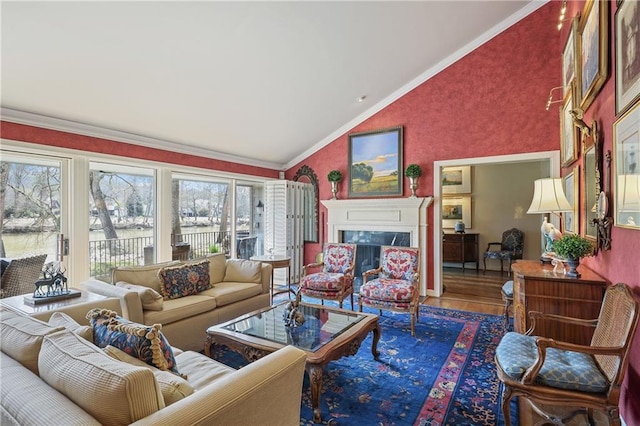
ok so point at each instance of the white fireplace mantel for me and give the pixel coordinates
(383, 214)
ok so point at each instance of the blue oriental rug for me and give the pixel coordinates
(443, 376)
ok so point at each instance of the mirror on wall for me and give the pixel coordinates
(592, 172)
(305, 174)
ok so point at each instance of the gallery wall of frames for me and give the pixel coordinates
(600, 162)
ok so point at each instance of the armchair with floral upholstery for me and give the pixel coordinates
(335, 280)
(396, 288)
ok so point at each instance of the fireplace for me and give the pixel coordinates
(368, 251)
(371, 223)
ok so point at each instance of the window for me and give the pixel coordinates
(121, 217)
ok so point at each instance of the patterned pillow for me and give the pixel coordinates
(184, 280)
(141, 341)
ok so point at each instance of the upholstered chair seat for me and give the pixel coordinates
(335, 280)
(396, 285)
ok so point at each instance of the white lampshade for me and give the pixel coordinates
(628, 192)
(548, 196)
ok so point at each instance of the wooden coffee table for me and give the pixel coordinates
(326, 335)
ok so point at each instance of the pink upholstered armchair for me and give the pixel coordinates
(335, 280)
(396, 288)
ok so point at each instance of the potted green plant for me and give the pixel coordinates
(572, 247)
(413, 172)
(334, 177)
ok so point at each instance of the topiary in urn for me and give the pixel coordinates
(334, 176)
(413, 171)
(572, 247)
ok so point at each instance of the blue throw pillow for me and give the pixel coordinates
(145, 342)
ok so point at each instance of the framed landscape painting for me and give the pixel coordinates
(456, 180)
(376, 163)
(455, 209)
(593, 50)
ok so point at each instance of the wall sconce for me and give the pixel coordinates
(260, 208)
(550, 98)
(548, 197)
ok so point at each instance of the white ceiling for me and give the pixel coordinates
(262, 83)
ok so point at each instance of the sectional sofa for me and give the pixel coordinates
(52, 373)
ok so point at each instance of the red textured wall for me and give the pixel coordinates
(491, 102)
(23, 133)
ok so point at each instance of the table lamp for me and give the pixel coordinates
(548, 197)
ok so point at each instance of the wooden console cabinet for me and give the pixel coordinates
(460, 248)
(537, 288)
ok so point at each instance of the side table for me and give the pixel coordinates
(276, 261)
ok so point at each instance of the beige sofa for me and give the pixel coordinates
(52, 375)
(238, 287)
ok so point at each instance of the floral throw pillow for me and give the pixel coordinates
(184, 280)
(144, 342)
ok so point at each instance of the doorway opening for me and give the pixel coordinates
(551, 162)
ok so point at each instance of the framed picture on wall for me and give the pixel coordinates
(570, 219)
(376, 163)
(593, 42)
(568, 132)
(455, 209)
(456, 180)
(569, 57)
(626, 180)
(627, 45)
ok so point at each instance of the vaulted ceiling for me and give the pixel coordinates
(262, 83)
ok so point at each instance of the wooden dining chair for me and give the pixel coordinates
(576, 378)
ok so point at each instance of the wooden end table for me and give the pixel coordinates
(327, 334)
(276, 261)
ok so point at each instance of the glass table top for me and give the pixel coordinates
(321, 326)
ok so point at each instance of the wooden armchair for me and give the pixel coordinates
(553, 373)
(510, 248)
(21, 274)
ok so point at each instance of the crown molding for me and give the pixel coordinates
(455, 56)
(52, 123)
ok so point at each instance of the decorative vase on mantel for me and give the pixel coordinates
(413, 172)
(334, 190)
(334, 176)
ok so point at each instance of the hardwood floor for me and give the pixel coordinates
(472, 291)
